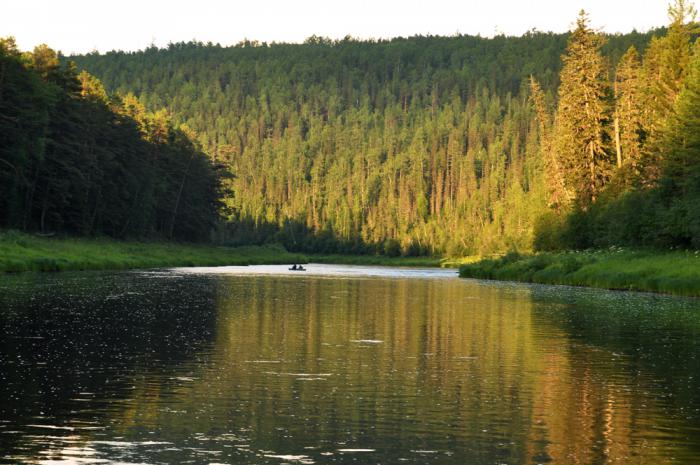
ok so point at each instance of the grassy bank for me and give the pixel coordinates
(664, 272)
(379, 260)
(24, 252)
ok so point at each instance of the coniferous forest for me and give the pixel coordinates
(423, 145)
(75, 160)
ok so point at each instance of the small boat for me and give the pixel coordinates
(297, 268)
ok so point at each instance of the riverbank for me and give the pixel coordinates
(380, 260)
(24, 252)
(675, 272)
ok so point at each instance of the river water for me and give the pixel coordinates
(346, 365)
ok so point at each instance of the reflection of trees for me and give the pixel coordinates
(625, 380)
(76, 346)
(461, 367)
(486, 372)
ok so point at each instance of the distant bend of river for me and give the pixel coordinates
(342, 365)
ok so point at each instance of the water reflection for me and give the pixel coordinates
(177, 367)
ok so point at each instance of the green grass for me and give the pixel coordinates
(674, 272)
(379, 260)
(24, 252)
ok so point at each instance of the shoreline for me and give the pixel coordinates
(662, 272)
(673, 272)
(21, 252)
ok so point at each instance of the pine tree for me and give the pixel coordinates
(583, 116)
(682, 136)
(558, 196)
(629, 110)
(665, 67)
(675, 55)
(681, 167)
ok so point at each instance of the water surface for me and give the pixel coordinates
(362, 365)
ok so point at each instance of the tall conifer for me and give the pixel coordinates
(583, 117)
(629, 110)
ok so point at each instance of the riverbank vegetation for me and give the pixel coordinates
(24, 252)
(410, 147)
(625, 172)
(383, 260)
(675, 272)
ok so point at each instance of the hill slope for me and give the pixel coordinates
(426, 144)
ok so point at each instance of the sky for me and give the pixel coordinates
(80, 26)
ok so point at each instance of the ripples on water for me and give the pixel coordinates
(371, 365)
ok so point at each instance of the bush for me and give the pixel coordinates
(392, 248)
(549, 232)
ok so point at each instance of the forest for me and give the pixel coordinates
(430, 145)
(76, 161)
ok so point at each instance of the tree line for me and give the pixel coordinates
(621, 151)
(74, 160)
(456, 145)
(412, 146)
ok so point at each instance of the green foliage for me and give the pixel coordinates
(74, 161)
(671, 273)
(392, 248)
(661, 210)
(24, 252)
(630, 131)
(408, 146)
(548, 232)
(380, 260)
(582, 136)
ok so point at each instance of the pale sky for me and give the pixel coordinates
(84, 25)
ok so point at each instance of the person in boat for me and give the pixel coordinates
(301, 268)
(294, 267)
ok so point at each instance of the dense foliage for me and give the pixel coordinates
(628, 150)
(72, 160)
(675, 272)
(457, 145)
(426, 144)
(27, 252)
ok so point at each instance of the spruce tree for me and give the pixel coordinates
(665, 67)
(629, 110)
(558, 196)
(682, 136)
(582, 138)
(675, 55)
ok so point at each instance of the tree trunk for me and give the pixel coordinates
(179, 195)
(592, 169)
(618, 147)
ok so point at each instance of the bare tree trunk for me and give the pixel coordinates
(179, 195)
(618, 147)
(592, 169)
(42, 221)
(29, 200)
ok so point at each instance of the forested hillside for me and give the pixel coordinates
(419, 145)
(426, 145)
(73, 160)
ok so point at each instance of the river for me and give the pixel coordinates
(342, 365)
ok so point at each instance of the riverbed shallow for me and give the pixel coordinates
(342, 364)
